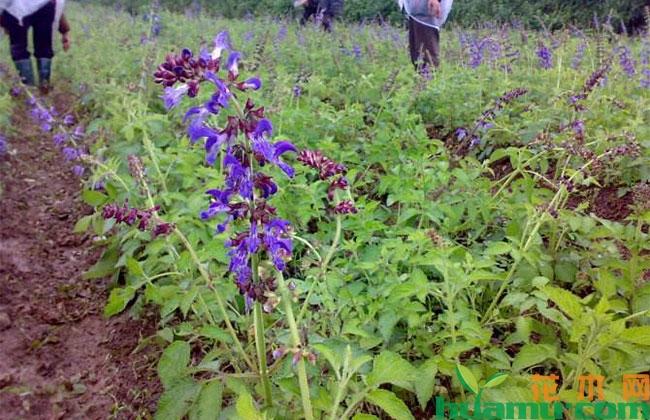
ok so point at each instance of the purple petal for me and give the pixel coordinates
(282, 147)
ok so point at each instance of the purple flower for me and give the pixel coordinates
(297, 91)
(78, 170)
(233, 64)
(3, 145)
(59, 138)
(626, 62)
(545, 57)
(484, 125)
(219, 204)
(645, 79)
(174, 95)
(79, 132)
(277, 241)
(282, 33)
(253, 83)
(579, 55)
(213, 145)
(356, 51)
(220, 97)
(578, 127)
(221, 43)
(265, 152)
(69, 120)
(71, 153)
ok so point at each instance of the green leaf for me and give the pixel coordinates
(391, 368)
(176, 401)
(333, 356)
(83, 224)
(93, 198)
(208, 405)
(215, 333)
(498, 248)
(386, 324)
(533, 354)
(173, 362)
(565, 300)
(187, 300)
(246, 408)
(425, 381)
(390, 403)
(134, 268)
(104, 267)
(637, 335)
(467, 379)
(117, 300)
(364, 416)
(495, 380)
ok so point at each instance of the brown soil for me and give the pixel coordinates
(59, 357)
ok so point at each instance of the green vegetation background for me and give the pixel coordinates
(555, 14)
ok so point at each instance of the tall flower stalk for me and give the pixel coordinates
(258, 237)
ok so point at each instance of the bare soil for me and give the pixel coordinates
(59, 357)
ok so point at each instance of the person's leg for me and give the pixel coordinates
(42, 21)
(308, 13)
(327, 22)
(413, 49)
(427, 41)
(18, 46)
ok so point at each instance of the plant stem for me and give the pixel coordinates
(323, 267)
(296, 343)
(260, 345)
(355, 402)
(220, 300)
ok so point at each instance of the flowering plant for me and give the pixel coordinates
(248, 154)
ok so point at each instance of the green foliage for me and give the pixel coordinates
(455, 261)
(534, 14)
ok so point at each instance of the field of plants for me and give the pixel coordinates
(310, 228)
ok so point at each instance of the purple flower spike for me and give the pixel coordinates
(545, 57)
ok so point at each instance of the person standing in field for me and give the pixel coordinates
(328, 10)
(425, 18)
(43, 16)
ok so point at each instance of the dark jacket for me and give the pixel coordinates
(331, 7)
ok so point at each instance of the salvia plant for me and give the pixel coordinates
(247, 154)
(476, 236)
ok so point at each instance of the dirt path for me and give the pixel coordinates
(59, 358)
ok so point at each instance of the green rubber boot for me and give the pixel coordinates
(25, 70)
(44, 72)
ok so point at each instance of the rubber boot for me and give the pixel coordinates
(44, 71)
(25, 71)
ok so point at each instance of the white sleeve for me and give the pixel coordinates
(4, 4)
(60, 5)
